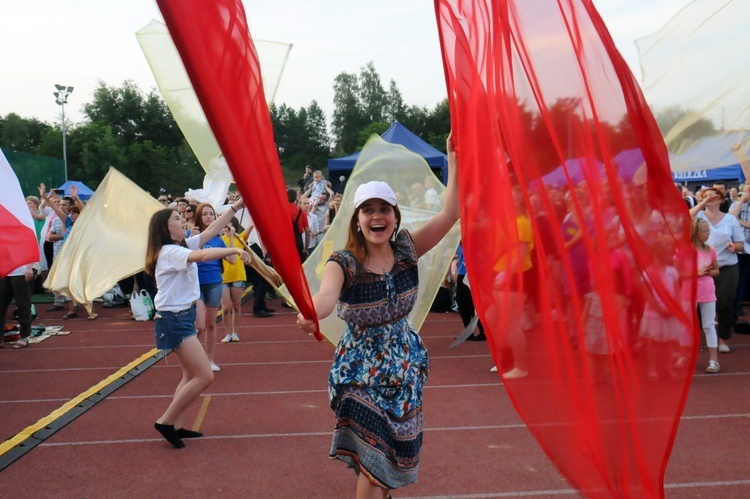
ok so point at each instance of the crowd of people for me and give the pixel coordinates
(196, 265)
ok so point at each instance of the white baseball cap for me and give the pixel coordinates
(374, 190)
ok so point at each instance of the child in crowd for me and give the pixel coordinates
(705, 295)
(659, 328)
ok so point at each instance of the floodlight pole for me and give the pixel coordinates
(61, 98)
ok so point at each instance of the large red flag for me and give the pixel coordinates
(18, 243)
(550, 128)
(214, 42)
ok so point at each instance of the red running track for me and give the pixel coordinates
(268, 425)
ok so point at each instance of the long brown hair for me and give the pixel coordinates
(158, 236)
(198, 220)
(356, 241)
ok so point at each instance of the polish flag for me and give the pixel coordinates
(18, 244)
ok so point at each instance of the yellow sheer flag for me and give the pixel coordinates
(107, 242)
(177, 90)
(411, 179)
(695, 76)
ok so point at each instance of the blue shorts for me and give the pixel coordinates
(211, 294)
(173, 327)
(235, 285)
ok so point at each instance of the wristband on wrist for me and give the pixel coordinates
(233, 208)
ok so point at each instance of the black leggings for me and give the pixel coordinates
(726, 287)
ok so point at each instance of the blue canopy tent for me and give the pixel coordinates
(396, 134)
(573, 168)
(83, 190)
(631, 159)
(711, 159)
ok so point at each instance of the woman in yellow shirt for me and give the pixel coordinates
(512, 278)
(233, 281)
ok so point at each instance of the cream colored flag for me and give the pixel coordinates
(695, 78)
(177, 90)
(107, 243)
(407, 173)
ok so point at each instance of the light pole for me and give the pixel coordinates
(61, 98)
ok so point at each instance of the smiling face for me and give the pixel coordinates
(377, 220)
(176, 227)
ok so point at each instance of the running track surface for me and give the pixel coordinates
(268, 425)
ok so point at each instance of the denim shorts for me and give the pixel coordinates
(235, 284)
(173, 327)
(211, 294)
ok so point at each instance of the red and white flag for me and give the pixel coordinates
(18, 244)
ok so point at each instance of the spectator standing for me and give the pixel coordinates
(300, 227)
(17, 285)
(741, 209)
(728, 239)
(233, 283)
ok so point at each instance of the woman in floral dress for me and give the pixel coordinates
(380, 364)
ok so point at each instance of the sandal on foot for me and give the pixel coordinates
(515, 373)
(70, 315)
(713, 367)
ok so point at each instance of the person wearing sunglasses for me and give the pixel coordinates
(189, 215)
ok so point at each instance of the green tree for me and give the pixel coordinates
(395, 107)
(369, 131)
(22, 134)
(348, 116)
(135, 133)
(699, 127)
(372, 95)
(301, 137)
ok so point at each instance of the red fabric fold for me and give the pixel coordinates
(577, 244)
(217, 50)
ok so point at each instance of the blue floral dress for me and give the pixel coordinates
(379, 370)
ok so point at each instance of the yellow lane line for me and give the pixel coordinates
(202, 413)
(67, 406)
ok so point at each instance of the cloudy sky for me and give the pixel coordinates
(81, 42)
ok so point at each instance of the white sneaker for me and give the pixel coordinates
(724, 348)
(215, 368)
(234, 337)
(227, 339)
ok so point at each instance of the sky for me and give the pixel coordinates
(82, 42)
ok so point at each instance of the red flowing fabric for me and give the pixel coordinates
(214, 42)
(576, 242)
